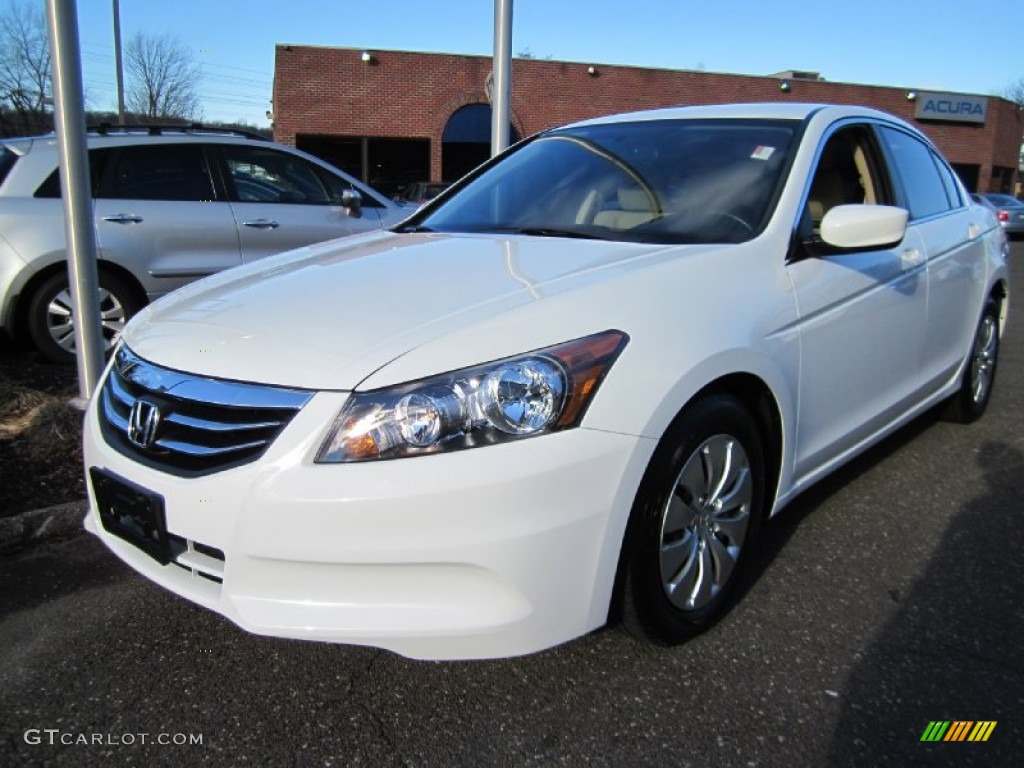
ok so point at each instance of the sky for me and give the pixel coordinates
(940, 45)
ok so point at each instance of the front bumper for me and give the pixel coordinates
(489, 552)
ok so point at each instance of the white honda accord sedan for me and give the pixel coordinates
(573, 387)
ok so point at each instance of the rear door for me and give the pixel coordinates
(951, 232)
(281, 201)
(157, 214)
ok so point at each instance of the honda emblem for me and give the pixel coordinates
(143, 422)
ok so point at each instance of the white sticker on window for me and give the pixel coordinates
(762, 153)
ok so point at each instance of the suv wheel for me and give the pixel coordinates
(51, 322)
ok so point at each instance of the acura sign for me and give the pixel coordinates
(951, 107)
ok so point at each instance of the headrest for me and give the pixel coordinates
(634, 200)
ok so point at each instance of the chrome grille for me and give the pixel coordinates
(190, 425)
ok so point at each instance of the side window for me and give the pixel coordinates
(157, 172)
(335, 185)
(264, 175)
(261, 175)
(915, 164)
(956, 200)
(848, 172)
(51, 187)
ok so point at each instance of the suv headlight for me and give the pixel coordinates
(532, 394)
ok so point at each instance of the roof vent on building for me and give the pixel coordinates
(798, 74)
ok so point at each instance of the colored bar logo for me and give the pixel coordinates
(958, 730)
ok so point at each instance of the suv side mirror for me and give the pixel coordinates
(352, 202)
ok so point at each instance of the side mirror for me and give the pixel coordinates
(352, 202)
(864, 226)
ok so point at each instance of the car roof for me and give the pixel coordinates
(751, 111)
(40, 151)
(140, 135)
(1002, 197)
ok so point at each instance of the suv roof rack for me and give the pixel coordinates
(154, 129)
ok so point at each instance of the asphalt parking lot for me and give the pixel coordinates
(884, 599)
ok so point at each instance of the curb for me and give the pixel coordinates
(38, 525)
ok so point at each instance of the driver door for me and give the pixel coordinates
(862, 313)
(282, 201)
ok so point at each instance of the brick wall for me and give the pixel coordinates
(400, 94)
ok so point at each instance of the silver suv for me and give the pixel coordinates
(171, 205)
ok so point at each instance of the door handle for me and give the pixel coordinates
(123, 218)
(973, 231)
(910, 259)
(261, 224)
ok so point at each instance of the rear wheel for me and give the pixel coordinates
(694, 521)
(51, 321)
(971, 400)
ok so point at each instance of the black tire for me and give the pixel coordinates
(971, 400)
(711, 534)
(50, 321)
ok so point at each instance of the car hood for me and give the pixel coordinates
(330, 315)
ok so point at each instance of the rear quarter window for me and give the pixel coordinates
(51, 186)
(7, 161)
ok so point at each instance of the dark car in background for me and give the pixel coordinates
(1009, 211)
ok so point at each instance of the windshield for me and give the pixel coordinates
(665, 181)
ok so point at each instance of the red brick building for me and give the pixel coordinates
(391, 117)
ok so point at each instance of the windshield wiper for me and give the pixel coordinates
(530, 231)
(549, 232)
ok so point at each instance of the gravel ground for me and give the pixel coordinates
(40, 434)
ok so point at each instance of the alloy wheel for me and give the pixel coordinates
(60, 319)
(983, 359)
(705, 522)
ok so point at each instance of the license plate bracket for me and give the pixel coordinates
(132, 513)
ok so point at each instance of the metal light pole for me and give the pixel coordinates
(500, 115)
(69, 124)
(118, 66)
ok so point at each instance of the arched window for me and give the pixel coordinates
(466, 141)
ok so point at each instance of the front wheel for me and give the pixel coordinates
(51, 321)
(971, 400)
(694, 521)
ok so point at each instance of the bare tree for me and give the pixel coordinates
(1015, 92)
(526, 53)
(162, 77)
(25, 81)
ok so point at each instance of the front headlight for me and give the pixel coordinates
(539, 392)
